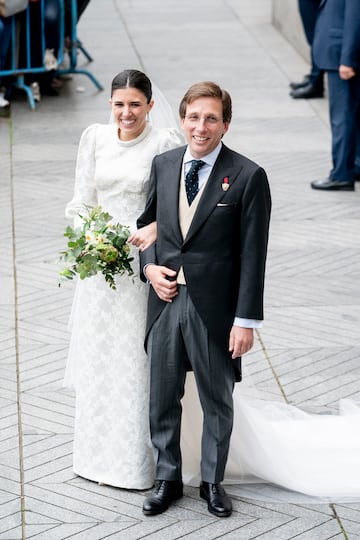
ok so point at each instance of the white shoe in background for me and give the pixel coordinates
(3, 102)
(35, 89)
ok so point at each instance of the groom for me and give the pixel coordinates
(212, 207)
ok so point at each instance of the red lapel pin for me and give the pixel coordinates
(225, 184)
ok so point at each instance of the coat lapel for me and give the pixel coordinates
(213, 190)
(172, 179)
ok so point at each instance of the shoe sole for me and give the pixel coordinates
(317, 96)
(349, 188)
(153, 513)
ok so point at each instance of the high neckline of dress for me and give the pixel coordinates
(137, 139)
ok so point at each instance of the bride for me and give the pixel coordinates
(318, 455)
(106, 363)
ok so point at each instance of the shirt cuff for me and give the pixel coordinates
(144, 272)
(247, 323)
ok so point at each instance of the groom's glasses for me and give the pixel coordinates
(195, 119)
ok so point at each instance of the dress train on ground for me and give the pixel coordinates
(313, 454)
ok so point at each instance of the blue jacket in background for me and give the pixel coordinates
(337, 34)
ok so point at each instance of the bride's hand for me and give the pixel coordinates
(144, 237)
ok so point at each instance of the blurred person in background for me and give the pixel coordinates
(336, 49)
(312, 85)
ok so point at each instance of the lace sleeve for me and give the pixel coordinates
(85, 189)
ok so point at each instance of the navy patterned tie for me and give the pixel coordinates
(192, 180)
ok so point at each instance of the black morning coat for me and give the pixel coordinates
(223, 255)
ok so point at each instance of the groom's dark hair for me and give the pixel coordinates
(207, 89)
(133, 78)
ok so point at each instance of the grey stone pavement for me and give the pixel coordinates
(308, 351)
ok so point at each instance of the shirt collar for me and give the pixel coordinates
(209, 159)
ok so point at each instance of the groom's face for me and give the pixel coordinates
(203, 125)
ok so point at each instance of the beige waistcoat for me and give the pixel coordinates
(186, 214)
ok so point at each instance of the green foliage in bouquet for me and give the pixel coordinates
(97, 246)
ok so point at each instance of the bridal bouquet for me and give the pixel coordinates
(97, 246)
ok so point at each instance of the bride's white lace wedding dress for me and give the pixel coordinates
(107, 364)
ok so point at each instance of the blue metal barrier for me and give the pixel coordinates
(76, 45)
(22, 63)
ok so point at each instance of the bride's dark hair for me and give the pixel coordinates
(132, 78)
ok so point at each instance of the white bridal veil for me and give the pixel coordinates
(315, 457)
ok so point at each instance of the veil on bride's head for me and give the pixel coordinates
(161, 115)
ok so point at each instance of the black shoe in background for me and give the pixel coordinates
(307, 92)
(304, 82)
(332, 185)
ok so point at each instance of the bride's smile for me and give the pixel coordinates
(130, 107)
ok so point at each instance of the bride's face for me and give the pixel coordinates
(129, 107)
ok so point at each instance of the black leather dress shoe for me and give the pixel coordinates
(163, 494)
(304, 82)
(307, 92)
(219, 502)
(332, 185)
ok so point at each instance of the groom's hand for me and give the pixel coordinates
(163, 281)
(241, 341)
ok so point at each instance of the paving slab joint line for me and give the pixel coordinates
(16, 317)
(331, 505)
(267, 357)
(129, 36)
(338, 519)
